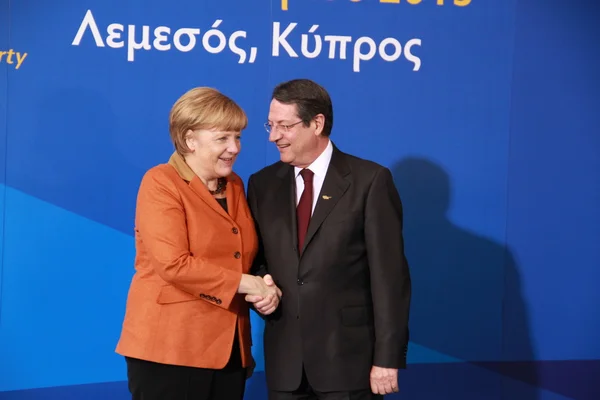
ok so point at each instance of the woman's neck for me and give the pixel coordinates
(210, 183)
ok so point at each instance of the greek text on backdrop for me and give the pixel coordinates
(185, 39)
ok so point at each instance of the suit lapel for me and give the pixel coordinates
(284, 205)
(335, 185)
(280, 204)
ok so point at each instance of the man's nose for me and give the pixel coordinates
(274, 135)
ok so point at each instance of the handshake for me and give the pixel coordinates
(262, 292)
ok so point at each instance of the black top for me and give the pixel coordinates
(223, 203)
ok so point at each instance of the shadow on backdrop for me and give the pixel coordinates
(467, 301)
(80, 144)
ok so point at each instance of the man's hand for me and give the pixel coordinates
(266, 304)
(384, 380)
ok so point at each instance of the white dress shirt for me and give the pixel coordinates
(319, 168)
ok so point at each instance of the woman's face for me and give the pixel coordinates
(213, 152)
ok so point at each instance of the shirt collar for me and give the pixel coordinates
(320, 165)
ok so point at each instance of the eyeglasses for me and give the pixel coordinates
(281, 128)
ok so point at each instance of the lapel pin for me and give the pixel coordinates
(326, 197)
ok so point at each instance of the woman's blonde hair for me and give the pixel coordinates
(203, 108)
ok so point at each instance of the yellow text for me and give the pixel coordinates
(12, 57)
(458, 3)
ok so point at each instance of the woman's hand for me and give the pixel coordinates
(262, 292)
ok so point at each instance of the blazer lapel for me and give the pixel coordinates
(335, 185)
(233, 195)
(202, 191)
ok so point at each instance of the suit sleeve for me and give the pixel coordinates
(259, 266)
(162, 227)
(390, 277)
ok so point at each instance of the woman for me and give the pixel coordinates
(186, 333)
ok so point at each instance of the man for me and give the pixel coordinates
(330, 228)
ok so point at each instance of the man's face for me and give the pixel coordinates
(297, 144)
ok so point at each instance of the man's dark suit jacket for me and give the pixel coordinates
(346, 298)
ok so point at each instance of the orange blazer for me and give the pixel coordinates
(182, 305)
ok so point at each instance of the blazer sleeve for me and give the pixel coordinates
(390, 277)
(162, 227)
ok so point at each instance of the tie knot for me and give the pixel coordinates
(307, 175)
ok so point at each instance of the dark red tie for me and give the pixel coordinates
(304, 209)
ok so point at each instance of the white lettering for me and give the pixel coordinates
(253, 52)
(214, 32)
(343, 40)
(160, 36)
(318, 44)
(397, 49)
(359, 56)
(215, 41)
(409, 56)
(133, 45)
(114, 34)
(88, 20)
(279, 39)
(234, 47)
(191, 39)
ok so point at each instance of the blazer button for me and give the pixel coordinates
(237, 254)
(235, 230)
(300, 282)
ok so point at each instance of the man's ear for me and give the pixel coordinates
(319, 124)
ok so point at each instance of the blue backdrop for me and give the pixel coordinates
(485, 111)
